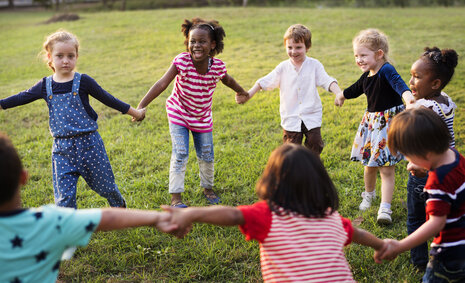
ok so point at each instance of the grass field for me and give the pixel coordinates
(126, 52)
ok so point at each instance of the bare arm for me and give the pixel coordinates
(230, 82)
(334, 88)
(426, 231)
(158, 87)
(216, 215)
(137, 114)
(365, 238)
(119, 218)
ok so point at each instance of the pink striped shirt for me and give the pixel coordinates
(190, 103)
(294, 248)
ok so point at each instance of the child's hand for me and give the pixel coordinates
(389, 253)
(164, 223)
(416, 170)
(242, 97)
(179, 217)
(139, 115)
(339, 101)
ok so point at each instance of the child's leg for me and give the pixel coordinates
(203, 143)
(179, 157)
(369, 177)
(292, 137)
(416, 216)
(65, 177)
(96, 169)
(387, 190)
(313, 139)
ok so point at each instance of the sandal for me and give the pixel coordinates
(212, 197)
(179, 204)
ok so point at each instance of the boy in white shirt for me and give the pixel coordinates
(297, 78)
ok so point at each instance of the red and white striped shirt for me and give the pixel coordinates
(295, 248)
(190, 103)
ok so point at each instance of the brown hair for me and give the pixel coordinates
(215, 31)
(374, 40)
(296, 180)
(418, 132)
(10, 169)
(299, 33)
(58, 36)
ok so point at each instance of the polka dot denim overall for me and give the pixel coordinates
(78, 149)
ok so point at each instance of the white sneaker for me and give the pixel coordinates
(384, 216)
(366, 202)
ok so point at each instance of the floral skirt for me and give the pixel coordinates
(370, 143)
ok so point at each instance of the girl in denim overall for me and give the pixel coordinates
(78, 149)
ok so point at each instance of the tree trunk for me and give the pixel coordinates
(11, 3)
(57, 5)
(123, 5)
(244, 3)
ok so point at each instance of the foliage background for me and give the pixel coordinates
(126, 52)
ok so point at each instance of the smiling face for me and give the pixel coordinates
(367, 59)
(296, 51)
(200, 44)
(63, 57)
(422, 83)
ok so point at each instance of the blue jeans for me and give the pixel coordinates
(203, 143)
(448, 267)
(416, 216)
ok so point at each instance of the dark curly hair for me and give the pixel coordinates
(296, 180)
(442, 63)
(215, 31)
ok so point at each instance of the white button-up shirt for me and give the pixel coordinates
(299, 98)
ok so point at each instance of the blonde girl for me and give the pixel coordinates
(78, 149)
(384, 89)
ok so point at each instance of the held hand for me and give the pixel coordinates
(242, 97)
(140, 115)
(164, 223)
(416, 170)
(179, 217)
(339, 101)
(380, 251)
(391, 251)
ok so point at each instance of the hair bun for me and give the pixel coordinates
(450, 57)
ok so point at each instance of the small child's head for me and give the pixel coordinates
(296, 180)
(299, 33)
(10, 169)
(417, 132)
(197, 31)
(432, 72)
(373, 40)
(61, 36)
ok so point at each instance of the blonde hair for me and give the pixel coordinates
(374, 40)
(299, 33)
(59, 36)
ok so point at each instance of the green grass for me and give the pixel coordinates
(126, 52)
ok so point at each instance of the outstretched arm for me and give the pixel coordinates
(365, 238)
(216, 215)
(334, 88)
(158, 87)
(120, 218)
(137, 114)
(230, 82)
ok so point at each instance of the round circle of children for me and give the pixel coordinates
(298, 203)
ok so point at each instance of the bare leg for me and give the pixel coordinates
(175, 198)
(388, 175)
(369, 176)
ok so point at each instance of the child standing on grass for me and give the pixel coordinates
(189, 107)
(384, 89)
(33, 240)
(78, 149)
(430, 74)
(424, 139)
(298, 78)
(296, 222)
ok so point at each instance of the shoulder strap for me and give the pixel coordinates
(48, 85)
(76, 82)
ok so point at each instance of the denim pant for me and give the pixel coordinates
(203, 143)
(416, 216)
(446, 268)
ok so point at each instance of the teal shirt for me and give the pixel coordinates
(32, 241)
